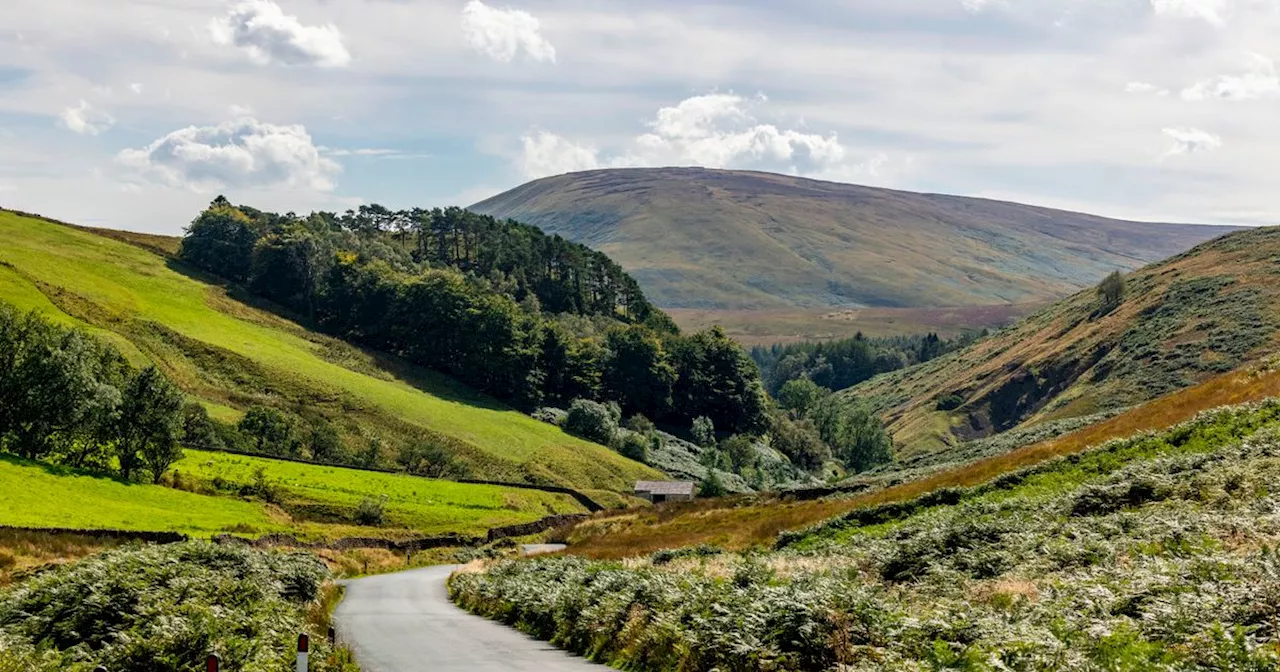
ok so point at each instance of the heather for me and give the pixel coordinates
(1156, 552)
(162, 608)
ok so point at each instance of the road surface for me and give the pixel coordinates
(405, 623)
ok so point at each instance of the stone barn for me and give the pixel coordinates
(665, 491)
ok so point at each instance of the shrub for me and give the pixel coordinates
(712, 486)
(700, 551)
(371, 511)
(640, 424)
(593, 421)
(1111, 291)
(428, 458)
(164, 608)
(1172, 569)
(261, 487)
(741, 451)
(635, 447)
(549, 415)
(799, 441)
(703, 431)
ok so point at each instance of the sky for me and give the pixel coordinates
(136, 113)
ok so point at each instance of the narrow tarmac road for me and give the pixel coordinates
(405, 623)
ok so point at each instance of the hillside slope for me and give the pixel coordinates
(1204, 312)
(231, 355)
(697, 238)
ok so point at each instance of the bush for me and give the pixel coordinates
(712, 486)
(635, 447)
(700, 551)
(593, 421)
(741, 451)
(261, 487)
(641, 425)
(428, 458)
(703, 431)
(549, 415)
(799, 441)
(1111, 291)
(164, 608)
(371, 512)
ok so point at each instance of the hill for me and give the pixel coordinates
(1201, 313)
(231, 355)
(1153, 552)
(714, 239)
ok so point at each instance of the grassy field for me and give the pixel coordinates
(766, 327)
(739, 523)
(230, 355)
(323, 500)
(214, 493)
(38, 495)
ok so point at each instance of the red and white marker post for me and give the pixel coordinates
(304, 650)
(212, 663)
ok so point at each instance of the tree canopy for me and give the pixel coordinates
(526, 317)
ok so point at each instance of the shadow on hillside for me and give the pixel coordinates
(419, 377)
(63, 470)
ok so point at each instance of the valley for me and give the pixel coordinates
(529, 336)
(768, 327)
(913, 488)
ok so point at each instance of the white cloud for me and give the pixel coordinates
(1213, 11)
(1144, 88)
(85, 119)
(1258, 81)
(716, 131)
(136, 88)
(1188, 140)
(241, 153)
(375, 152)
(269, 35)
(501, 34)
(549, 154)
(977, 6)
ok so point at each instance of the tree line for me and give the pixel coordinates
(526, 317)
(68, 397)
(843, 363)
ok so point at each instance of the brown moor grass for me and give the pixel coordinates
(743, 522)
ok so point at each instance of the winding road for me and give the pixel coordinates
(405, 623)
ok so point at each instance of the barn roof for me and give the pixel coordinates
(665, 487)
